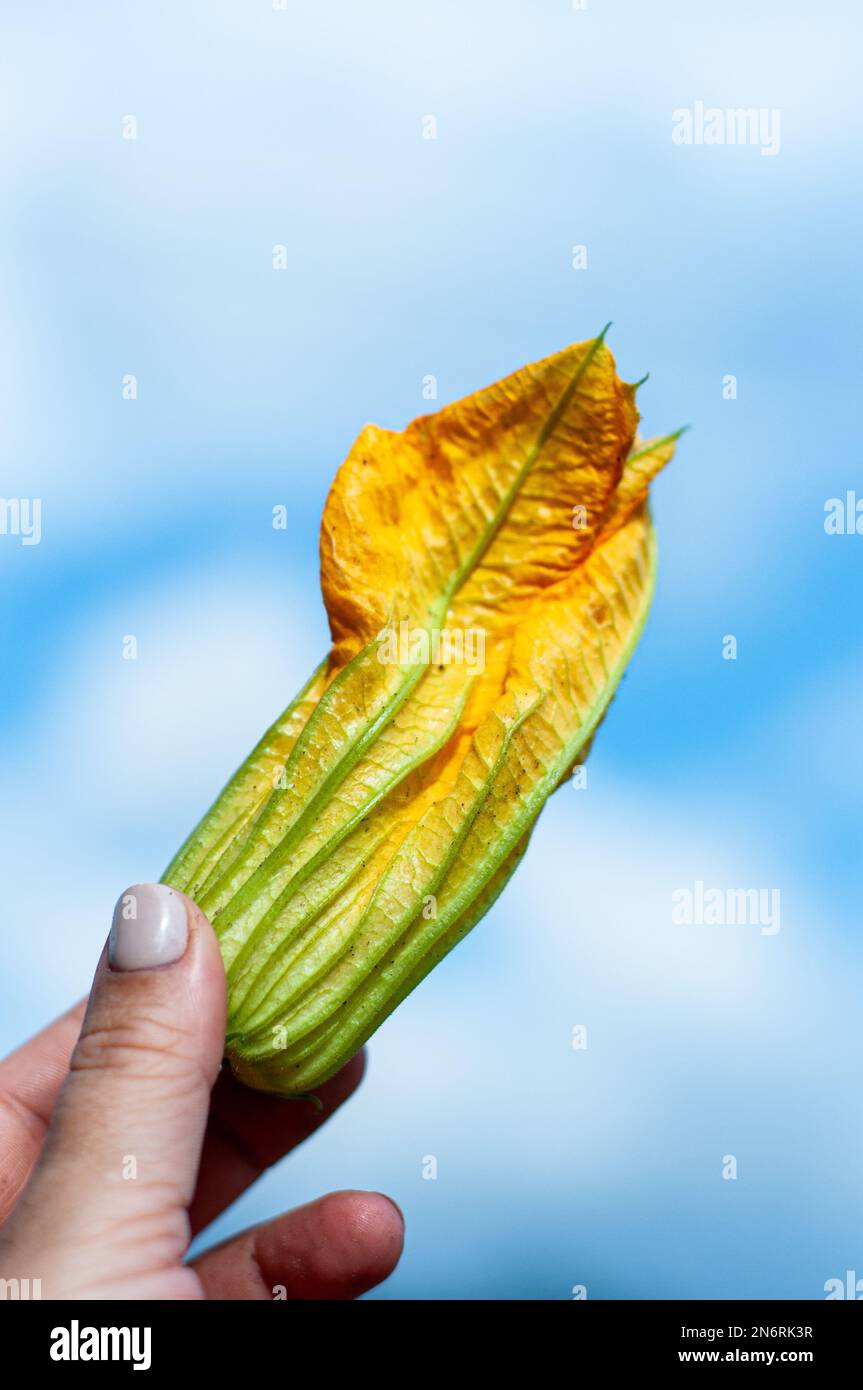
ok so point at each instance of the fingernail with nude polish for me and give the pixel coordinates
(150, 928)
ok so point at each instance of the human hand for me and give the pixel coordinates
(118, 1145)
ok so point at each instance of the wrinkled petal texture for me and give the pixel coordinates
(382, 814)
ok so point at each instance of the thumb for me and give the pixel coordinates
(107, 1205)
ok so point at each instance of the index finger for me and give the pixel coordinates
(30, 1079)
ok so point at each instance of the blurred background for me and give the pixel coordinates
(305, 127)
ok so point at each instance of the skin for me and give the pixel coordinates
(138, 1072)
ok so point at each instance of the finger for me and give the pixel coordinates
(248, 1132)
(334, 1248)
(107, 1203)
(30, 1079)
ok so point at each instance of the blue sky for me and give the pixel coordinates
(453, 257)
